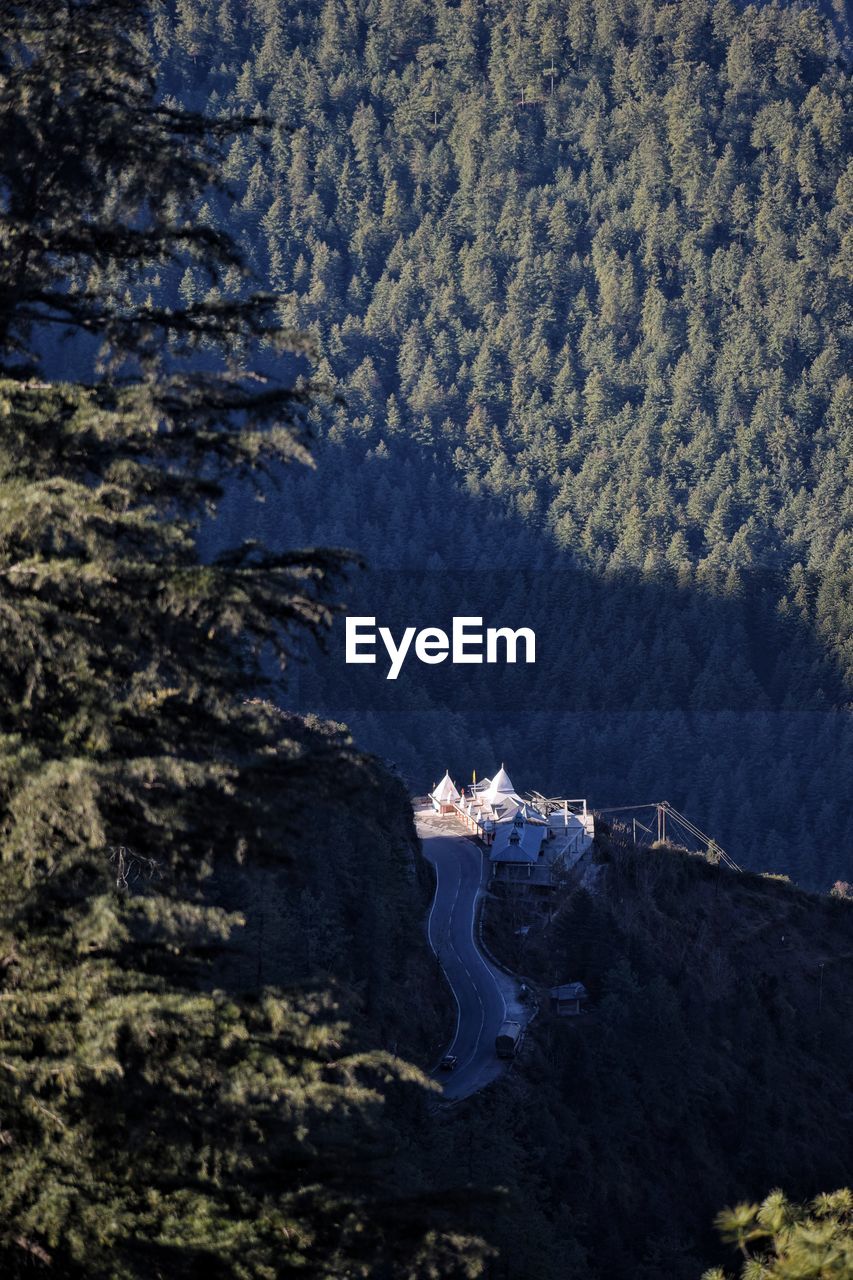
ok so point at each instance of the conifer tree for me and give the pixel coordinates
(784, 1241)
(155, 1123)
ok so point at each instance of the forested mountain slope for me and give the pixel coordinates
(216, 988)
(714, 1061)
(185, 1090)
(581, 273)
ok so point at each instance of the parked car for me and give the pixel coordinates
(448, 1062)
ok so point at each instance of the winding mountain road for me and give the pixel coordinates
(484, 995)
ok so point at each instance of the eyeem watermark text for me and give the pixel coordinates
(468, 642)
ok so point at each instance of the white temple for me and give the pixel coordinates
(444, 796)
(528, 837)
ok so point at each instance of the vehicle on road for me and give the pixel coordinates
(448, 1062)
(507, 1039)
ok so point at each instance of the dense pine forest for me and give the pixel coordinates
(541, 310)
(204, 1020)
(578, 274)
(707, 1070)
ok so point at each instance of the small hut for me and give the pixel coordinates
(566, 1000)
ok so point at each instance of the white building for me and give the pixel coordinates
(444, 796)
(529, 838)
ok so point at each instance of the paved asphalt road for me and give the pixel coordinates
(477, 986)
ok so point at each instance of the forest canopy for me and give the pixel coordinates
(178, 1097)
(581, 275)
(577, 276)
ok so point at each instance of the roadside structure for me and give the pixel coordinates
(444, 796)
(566, 1000)
(530, 838)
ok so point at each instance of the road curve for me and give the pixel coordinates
(483, 994)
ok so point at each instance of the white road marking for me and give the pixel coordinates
(452, 950)
(477, 950)
(438, 958)
(479, 1035)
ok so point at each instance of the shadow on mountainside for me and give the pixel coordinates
(644, 687)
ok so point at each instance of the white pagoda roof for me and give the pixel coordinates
(445, 792)
(499, 787)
